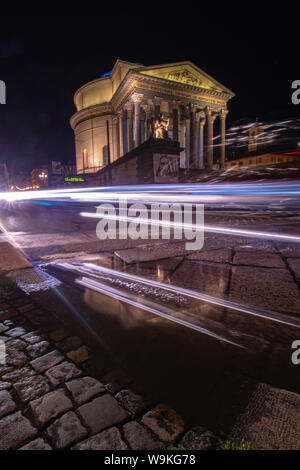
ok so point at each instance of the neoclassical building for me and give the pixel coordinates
(131, 97)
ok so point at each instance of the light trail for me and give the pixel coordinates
(93, 270)
(194, 227)
(196, 192)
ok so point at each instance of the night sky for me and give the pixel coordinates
(44, 60)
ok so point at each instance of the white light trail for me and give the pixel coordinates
(149, 306)
(92, 269)
(198, 228)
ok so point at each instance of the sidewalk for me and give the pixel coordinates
(52, 397)
(56, 393)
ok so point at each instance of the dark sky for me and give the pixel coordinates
(45, 59)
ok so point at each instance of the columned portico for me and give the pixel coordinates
(181, 93)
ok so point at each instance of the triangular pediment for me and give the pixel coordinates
(185, 73)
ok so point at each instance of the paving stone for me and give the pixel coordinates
(101, 413)
(7, 405)
(49, 406)
(37, 444)
(259, 287)
(16, 358)
(61, 373)
(259, 258)
(219, 256)
(31, 388)
(84, 389)
(15, 322)
(253, 247)
(16, 332)
(48, 360)
(199, 438)
(139, 438)
(79, 355)
(14, 430)
(18, 374)
(59, 334)
(15, 344)
(37, 349)
(212, 279)
(151, 251)
(66, 430)
(3, 328)
(32, 337)
(116, 380)
(132, 401)
(295, 266)
(106, 440)
(270, 420)
(4, 385)
(164, 422)
(69, 343)
(4, 338)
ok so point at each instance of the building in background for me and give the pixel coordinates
(262, 160)
(132, 97)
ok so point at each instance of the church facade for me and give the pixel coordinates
(117, 112)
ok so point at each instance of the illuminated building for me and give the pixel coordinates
(131, 97)
(262, 160)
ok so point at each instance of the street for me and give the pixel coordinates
(197, 329)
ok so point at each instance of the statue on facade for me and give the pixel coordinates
(161, 126)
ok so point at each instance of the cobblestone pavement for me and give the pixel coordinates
(56, 394)
(51, 396)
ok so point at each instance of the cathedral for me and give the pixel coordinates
(118, 111)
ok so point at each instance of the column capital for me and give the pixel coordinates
(223, 113)
(128, 106)
(157, 100)
(137, 97)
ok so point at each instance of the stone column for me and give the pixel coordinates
(175, 122)
(137, 118)
(148, 116)
(210, 118)
(201, 141)
(129, 126)
(187, 142)
(222, 116)
(197, 136)
(116, 138)
(121, 132)
(193, 142)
